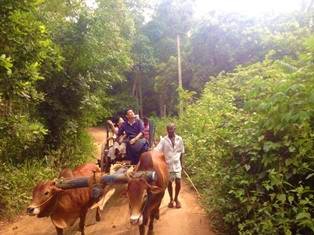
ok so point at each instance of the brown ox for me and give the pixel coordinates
(64, 206)
(143, 208)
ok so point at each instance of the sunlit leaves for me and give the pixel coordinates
(6, 64)
(251, 134)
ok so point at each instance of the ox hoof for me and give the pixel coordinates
(150, 229)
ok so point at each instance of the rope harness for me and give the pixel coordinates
(55, 204)
(44, 202)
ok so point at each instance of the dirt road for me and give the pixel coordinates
(188, 220)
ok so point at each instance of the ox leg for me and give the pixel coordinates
(157, 214)
(151, 221)
(98, 215)
(145, 218)
(154, 215)
(59, 231)
(142, 229)
(82, 221)
(145, 214)
(156, 211)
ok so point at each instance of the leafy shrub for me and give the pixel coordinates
(77, 148)
(16, 183)
(53, 84)
(250, 146)
(19, 137)
(18, 179)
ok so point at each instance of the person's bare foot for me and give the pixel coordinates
(171, 204)
(178, 204)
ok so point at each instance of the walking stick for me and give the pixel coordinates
(190, 180)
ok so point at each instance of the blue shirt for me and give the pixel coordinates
(131, 130)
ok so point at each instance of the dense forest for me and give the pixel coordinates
(247, 99)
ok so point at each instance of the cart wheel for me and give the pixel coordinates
(105, 161)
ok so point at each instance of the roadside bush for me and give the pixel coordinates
(18, 178)
(250, 146)
(16, 183)
(77, 148)
(20, 137)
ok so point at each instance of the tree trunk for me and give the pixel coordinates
(161, 106)
(135, 88)
(179, 73)
(140, 89)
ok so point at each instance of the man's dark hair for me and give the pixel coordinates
(115, 119)
(127, 110)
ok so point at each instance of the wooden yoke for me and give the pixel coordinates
(95, 186)
(103, 179)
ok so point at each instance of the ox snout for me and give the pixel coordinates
(32, 210)
(136, 219)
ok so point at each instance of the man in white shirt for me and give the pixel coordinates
(172, 147)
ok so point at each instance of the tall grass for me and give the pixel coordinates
(17, 180)
(16, 183)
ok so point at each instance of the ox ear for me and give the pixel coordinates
(155, 189)
(152, 188)
(55, 189)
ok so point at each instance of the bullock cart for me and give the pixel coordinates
(112, 152)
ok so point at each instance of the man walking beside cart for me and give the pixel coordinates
(173, 149)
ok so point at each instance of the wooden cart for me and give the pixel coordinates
(105, 161)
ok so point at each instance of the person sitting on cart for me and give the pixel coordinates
(118, 149)
(115, 126)
(136, 144)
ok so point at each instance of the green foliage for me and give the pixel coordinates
(58, 62)
(65, 66)
(166, 83)
(26, 50)
(174, 17)
(221, 42)
(19, 179)
(76, 149)
(186, 97)
(250, 146)
(16, 183)
(155, 51)
(20, 138)
(217, 43)
(27, 47)
(96, 48)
